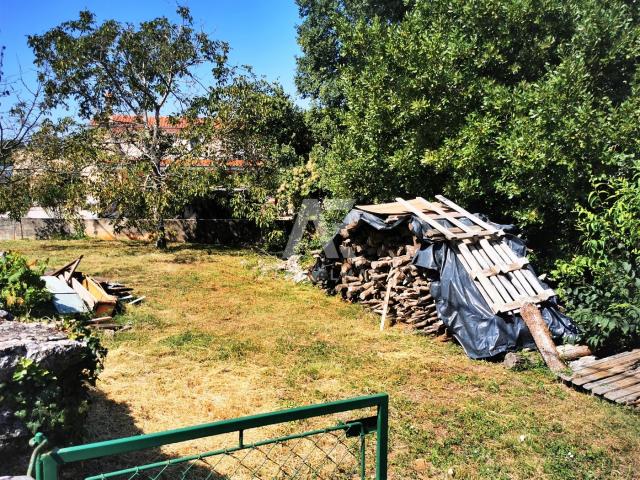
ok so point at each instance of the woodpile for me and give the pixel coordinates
(377, 271)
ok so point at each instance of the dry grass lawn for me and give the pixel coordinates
(218, 337)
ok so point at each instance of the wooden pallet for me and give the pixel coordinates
(501, 276)
(615, 378)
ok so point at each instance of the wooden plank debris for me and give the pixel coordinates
(615, 378)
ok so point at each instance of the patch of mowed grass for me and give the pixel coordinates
(216, 347)
(140, 317)
(228, 336)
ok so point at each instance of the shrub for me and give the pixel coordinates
(21, 289)
(601, 283)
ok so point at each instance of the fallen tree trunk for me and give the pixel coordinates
(541, 335)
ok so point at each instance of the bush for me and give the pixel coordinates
(601, 283)
(21, 289)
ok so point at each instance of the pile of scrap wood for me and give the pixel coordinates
(376, 270)
(404, 258)
(74, 292)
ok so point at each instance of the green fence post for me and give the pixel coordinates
(382, 439)
(49, 468)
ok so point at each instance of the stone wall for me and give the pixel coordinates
(212, 231)
(45, 345)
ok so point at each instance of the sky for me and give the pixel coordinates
(261, 33)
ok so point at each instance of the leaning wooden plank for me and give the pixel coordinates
(504, 282)
(494, 298)
(542, 337)
(506, 249)
(470, 216)
(85, 295)
(68, 270)
(453, 220)
(391, 281)
(420, 214)
(478, 285)
(526, 273)
(490, 249)
(494, 281)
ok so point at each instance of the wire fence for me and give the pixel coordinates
(328, 454)
(344, 450)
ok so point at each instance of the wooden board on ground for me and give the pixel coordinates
(615, 378)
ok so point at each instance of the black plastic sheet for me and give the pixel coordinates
(459, 303)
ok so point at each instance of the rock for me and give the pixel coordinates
(49, 349)
(420, 465)
(40, 342)
(513, 361)
(4, 315)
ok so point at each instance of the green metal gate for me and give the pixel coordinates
(332, 451)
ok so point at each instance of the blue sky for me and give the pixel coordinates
(260, 33)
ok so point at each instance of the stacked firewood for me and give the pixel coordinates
(377, 271)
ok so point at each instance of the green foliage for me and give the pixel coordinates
(21, 289)
(37, 399)
(135, 84)
(263, 134)
(49, 172)
(506, 107)
(601, 282)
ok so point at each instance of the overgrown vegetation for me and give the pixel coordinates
(56, 405)
(601, 282)
(519, 110)
(44, 402)
(21, 289)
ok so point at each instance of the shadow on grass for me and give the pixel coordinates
(110, 420)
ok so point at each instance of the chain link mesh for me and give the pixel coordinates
(326, 455)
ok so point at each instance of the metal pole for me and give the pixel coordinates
(382, 439)
(49, 468)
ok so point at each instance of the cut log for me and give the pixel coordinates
(541, 335)
(573, 352)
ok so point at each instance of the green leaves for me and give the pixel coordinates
(508, 107)
(21, 289)
(602, 284)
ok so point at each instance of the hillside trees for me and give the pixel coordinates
(134, 85)
(508, 107)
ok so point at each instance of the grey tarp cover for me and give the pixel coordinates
(460, 305)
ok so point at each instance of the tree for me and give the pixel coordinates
(134, 85)
(508, 107)
(601, 280)
(257, 127)
(20, 117)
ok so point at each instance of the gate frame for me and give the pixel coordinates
(47, 465)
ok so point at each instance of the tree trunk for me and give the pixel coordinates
(161, 241)
(541, 335)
